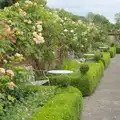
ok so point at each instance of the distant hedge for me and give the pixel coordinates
(66, 105)
(106, 59)
(118, 49)
(112, 51)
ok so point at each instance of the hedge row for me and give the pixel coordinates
(66, 105)
(118, 49)
(112, 51)
(85, 83)
(106, 59)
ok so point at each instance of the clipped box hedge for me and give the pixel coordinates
(86, 83)
(118, 49)
(66, 105)
(106, 59)
(112, 51)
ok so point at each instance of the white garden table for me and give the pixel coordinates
(91, 55)
(57, 72)
(103, 47)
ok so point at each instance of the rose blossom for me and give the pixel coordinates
(17, 4)
(2, 71)
(10, 73)
(11, 84)
(38, 22)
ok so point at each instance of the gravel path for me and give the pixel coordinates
(104, 104)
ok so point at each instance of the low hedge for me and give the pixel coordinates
(35, 88)
(87, 82)
(118, 49)
(112, 51)
(66, 105)
(106, 59)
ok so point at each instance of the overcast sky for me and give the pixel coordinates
(107, 8)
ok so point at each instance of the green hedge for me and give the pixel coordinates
(86, 83)
(106, 59)
(71, 64)
(66, 105)
(112, 51)
(118, 49)
(34, 88)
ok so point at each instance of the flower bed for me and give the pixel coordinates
(46, 103)
(35, 97)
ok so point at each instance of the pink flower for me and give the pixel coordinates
(38, 22)
(22, 13)
(11, 84)
(10, 73)
(2, 71)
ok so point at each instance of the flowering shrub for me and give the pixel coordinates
(38, 32)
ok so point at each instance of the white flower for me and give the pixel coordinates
(16, 4)
(35, 34)
(72, 31)
(65, 30)
(33, 27)
(18, 55)
(82, 46)
(39, 27)
(5, 61)
(26, 21)
(29, 22)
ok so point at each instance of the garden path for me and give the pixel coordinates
(104, 104)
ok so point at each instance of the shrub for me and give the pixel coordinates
(112, 51)
(1, 108)
(35, 98)
(112, 44)
(66, 105)
(84, 68)
(21, 75)
(98, 57)
(86, 83)
(63, 81)
(5, 3)
(106, 59)
(118, 49)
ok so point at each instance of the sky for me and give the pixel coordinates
(107, 8)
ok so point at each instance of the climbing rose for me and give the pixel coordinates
(2, 71)
(38, 22)
(10, 73)
(17, 4)
(11, 84)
